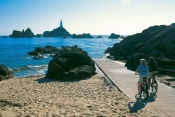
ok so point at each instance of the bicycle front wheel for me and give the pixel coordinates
(145, 92)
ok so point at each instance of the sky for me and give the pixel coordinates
(97, 17)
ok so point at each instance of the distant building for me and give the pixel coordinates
(61, 24)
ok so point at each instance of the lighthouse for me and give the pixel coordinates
(61, 24)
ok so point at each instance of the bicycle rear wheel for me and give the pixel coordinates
(154, 87)
(145, 92)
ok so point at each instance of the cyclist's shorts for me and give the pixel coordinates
(151, 74)
(141, 78)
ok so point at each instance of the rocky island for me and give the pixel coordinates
(58, 32)
(155, 41)
(84, 35)
(18, 34)
(99, 36)
(114, 36)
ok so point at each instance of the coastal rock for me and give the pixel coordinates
(155, 41)
(114, 36)
(122, 37)
(134, 61)
(71, 63)
(84, 35)
(58, 32)
(46, 50)
(2, 77)
(27, 33)
(166, 63)
(99, 37)
(5, 73)
(38, 35)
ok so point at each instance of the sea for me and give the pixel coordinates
(14, 52)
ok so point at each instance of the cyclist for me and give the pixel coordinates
(143, 72)
(152, 69)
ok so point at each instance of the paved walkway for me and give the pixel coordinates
(163, 101)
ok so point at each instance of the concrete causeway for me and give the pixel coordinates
(163, 102)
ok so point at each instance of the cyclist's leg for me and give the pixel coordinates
(154, 73)
(149, 78)
(140, 82)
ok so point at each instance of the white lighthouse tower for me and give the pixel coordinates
(61, 24)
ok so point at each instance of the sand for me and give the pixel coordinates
(41, 97)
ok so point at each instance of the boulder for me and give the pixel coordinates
(5, 73)
(71, 63)
(2, 77)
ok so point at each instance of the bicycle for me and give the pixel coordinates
(144, 91)
(154, 84)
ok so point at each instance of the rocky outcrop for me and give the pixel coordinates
(58, 32)
(114, 36)
(99, 37)
(18, 34)
(5, 73)
(133, 62)
(166, 66)
(156, 41)
(71, 63)
(46, 50)
(4, 36)
(84, 35)
(38, 35)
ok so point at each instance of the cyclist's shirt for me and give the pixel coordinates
(153, 66)
(143, 70)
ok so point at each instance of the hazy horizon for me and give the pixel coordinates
(124, 17)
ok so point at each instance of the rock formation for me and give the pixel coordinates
(114, 36)
(38, 35)
(58, 32)
(71, 63)
(84, 35)
(156, 41)
(27, 33)
(5, 73)
(99, 36)
(46, 50)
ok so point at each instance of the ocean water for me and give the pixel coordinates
(13, 52)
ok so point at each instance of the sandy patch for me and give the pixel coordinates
(42, 97)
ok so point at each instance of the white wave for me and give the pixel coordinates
(42, 71)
